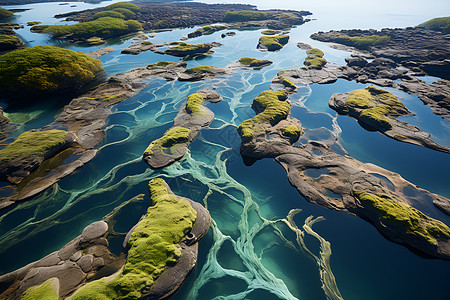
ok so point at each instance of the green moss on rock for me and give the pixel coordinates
(194, 102)
(409, 219)
(362, 41)
(147, 43)
(291, 131)
(254, 63)
(438, 24)
(315, 62)
(173, 136)
(270, 32)
(199, 69)
(125, 12)
(32, 23)
(152, 247)
(127, 5)
(105, 27)
(44, 291)
(95, 41)
(46, 69)
(108, 13)
(4, 13)
(9, 42)
(245, 16)
(273, 43)
(271, 108)
(360, 98)
(32, 143)
(376, 117)
(315, 51)
(287, 83)
(184, 49)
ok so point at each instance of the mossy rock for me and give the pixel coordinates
(362, 41)
(4, 13)
(9, 42)
(49, 290)
(270, 107)
(127, 5)
(33, 143)
(254, 62)
(32, 23)
(43, 70)
(173, 136)
(104, 27)
(125, 12)
(375, 117)
(315, 52)
(184, 49)
(152, 247)
(245, 16)
(315, 62)
(405, 218)
(286, 82)
(147, 43)
(162, 63)
(270, 32)
(438, 24)
(108, 13)
(199, 69)
(194, 103)
(273, 43)
(95, 41)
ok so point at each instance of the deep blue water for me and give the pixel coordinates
(249, 253)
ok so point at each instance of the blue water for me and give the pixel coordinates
(247, 203)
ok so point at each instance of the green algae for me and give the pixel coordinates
(274, 43)
(32, 143)
(44, 291)
(173, 136)
(405, 217)
(152, 247)
(273, 110)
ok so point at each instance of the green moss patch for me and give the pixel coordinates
(40, 69)
(287, 83)
(8, 42)
(127, 5)
(184, 49)
(95, 41)
(152, 247)
(254, 63)
(104, 27)
(199, 69)
(4, 13)
(32, 23)
(270, 32)
(44, 291)
(360, 99)
(125, 12)
(32, 143)
(147, 43)
(162, 63)
(173, 136)
(194, 102)
(273, 43)
(409, 219)
(376, 117)
(362, 41)
(291, 131)
(438, 24)
(245, 16)
(109, 13)
(315, 51)
(272, 108)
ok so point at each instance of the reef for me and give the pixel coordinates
(377, 109)
(188, 122)
(343, 183)
(272, 43)
(85, 268)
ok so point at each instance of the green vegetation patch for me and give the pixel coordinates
(254, 62)
(245, 15)
(8, 42)
(31, 143)
(32, 23)
(438, 24)
(361, 98)
(376, 116)
(287, 83)
(125, 12)
(291, 131)
(273, 108)
(184, 49)
(315, 51)
(46, 69)
(315, 62)
(411, 220)
(274, 42)
(199, 69)
(38, 28)
(108, 13)
(4, 13)
(147, 43)
(105, 27)
(194, 102)
(44, 291)
(162, 64)
(127, 5)
(152, 247)
(270, 32)
(173, 136)
(95, 41)
(362, 41)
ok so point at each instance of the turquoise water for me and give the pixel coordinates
(250, 252)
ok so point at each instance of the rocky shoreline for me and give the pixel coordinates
(87, 258)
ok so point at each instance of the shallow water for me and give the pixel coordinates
(250, 252)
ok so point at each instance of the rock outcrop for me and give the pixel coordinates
(87, 261)
(188, 122)
(340, 182)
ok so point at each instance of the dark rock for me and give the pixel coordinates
(356, 61)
